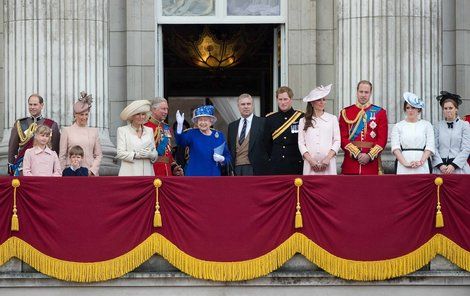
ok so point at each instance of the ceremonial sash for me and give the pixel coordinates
(361, 124)
(286, 125)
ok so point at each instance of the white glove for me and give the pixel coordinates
(153, 155)
(145, 153)
(179, 121)
(137, 155)
(218, 157)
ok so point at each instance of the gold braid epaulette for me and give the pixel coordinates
(347, 120)
(26, 135)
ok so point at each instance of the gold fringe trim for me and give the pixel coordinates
(236, 271)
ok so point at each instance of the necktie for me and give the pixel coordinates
(243, 133)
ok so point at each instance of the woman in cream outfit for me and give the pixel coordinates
(413, 139)
(135, 144)
(319, 135)
(80, 134)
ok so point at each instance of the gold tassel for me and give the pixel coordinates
(15, 223)
(439, 217)
(157, 217)
(298, 215)
(298, 219)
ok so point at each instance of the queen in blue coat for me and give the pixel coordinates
(207, 147)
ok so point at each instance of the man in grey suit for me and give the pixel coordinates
(245, 140)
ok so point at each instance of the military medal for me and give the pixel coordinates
(373, 124)
(373, 134)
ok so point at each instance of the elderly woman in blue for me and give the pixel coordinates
(413, 139)
(207, 147)
(452, 138)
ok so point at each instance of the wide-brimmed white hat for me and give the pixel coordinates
(134, 108)
(413, 100)
(318, 93)
(207, 111)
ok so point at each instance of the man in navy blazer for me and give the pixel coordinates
(245, 140)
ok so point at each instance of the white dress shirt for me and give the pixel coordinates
(249, 119)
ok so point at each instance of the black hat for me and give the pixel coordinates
(447, 95)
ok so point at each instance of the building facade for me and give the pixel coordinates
(113, 49)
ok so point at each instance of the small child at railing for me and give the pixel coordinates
(40, 160)
(75, 169)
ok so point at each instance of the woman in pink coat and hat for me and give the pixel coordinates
(80, 134)
(319, 135)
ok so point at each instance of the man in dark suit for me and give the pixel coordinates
(245, 140)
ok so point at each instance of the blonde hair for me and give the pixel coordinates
(43, 130)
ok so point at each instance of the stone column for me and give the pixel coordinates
(397, 45)
(57, 48)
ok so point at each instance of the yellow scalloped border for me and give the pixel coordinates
(235, 271)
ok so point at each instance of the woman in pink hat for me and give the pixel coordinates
(319, 136)
(79, 133)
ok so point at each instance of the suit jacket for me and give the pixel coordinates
(256, 149)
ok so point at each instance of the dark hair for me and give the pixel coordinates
(285, 89)
(76, 150)
(309, 120)
(41, 100)
(364, 82)
(454, 102)
(406, 103)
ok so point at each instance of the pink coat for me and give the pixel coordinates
(39, 162)
(319, 141)
(88, 139)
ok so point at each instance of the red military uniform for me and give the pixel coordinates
(162, 135)
(364, 129)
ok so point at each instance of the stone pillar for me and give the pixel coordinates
(57, 48)
(462, 55)
(397, 45)
(301, 49)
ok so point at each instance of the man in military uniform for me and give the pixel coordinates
(165, 164)
(364, 131)
(22, 134)
(281, 134)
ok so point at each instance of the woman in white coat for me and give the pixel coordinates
(135, 144)
(452, 138)
(413, 139)
(319, 135)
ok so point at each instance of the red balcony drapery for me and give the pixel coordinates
(235, 228)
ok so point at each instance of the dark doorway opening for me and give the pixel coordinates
(253, 74)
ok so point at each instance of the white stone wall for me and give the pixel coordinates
(326, 53)
(462, 55)
(397, 45)
(301, 48)
(2, 72)
(132, 55)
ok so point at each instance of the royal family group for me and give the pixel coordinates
(286, 142)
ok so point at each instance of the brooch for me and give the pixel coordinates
(216, 135)
(373, 134)
(373, 124)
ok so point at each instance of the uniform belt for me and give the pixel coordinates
(360, 144)
(163, 159)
